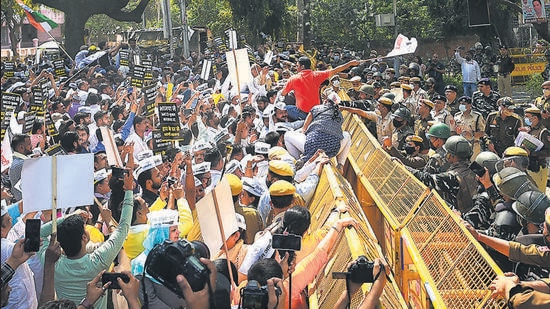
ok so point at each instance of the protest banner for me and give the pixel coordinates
(55, 150)
(9, 69)
(205, 71)
(59, 68)
(10, 101)
(138, 76)
(403, 46)
(38, 100)
(239, 68)
(216, 209)
(150, 91)
(65, 181)
(113, 156)
(169, 121)
(6, 155)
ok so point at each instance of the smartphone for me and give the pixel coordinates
(187, 112)
(478, 169)
(118, 172)
(130, 90)
(112, 277)
(32, 235)
(288, 242)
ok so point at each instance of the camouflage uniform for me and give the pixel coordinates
(437, 163)
(485, 105)
(399, 136)
(543, 104)
(421, 128)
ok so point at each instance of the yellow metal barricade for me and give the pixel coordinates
(436, 260)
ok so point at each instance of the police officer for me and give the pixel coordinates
(502, 126)
(408, 100)
(382, 118)
(484, 101)
(538, 169)
(505, 68)
(414, 155)
(543, 103)
(402, 129)
(458, 184)
(440, 113)
(469, 123)
(452, 102)
(437, 162)
(423, 121)
(546, 72)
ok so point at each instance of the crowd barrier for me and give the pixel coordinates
(436, 261)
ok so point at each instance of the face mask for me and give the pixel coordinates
(462, 107)
(336, 58)
(336, 83)
(397, 123)
(528, 121)
(432, 146)
(546, 92)
(409, 149)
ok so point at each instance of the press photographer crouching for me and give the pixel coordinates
(363, 271)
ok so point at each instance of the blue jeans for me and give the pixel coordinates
(469, 89)
(294, 113)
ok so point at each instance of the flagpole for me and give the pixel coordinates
(60, 46)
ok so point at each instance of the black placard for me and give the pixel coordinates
(159, 145)
(29, 123)
(55, 150)
(9, 69)
(148, 64)
(59, 68)
(138, 75)
(124, 58)
(10, 101)
(38, 101)
(169, 122)
(150, 91)
(50, 126)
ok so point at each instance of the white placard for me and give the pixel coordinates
(268, 57)
(113, 157)
(206, 212)
(206, 66)
(238, 66)
(403, 45)
(75, 182)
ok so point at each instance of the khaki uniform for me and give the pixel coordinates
(467, 126)
(421, 128)
(538, 168)
(384, 125)
(502, 132)
(444, 116)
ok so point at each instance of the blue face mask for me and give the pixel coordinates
(336, 58)
(462, 107)
(527, 121)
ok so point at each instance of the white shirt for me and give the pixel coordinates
(23, 293)
(139, 144)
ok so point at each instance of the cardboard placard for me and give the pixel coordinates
(169, 121)
(29, 123)
(55, 150)
(74, 177)
(10, 101)
(9, 69)
(148, 64)
(124, 58)
(50, 126)
(113, 157)
(159, 145)
(38, 101)
(59, 68)
(150, 91)
(138, 75)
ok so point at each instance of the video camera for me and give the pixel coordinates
(365, 105)
(254, 296)
(360, 272)
(169, 259)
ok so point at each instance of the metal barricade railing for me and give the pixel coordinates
(436, 261)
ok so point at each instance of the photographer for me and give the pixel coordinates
(370, 300)
(436, 69)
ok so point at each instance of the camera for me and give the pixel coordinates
(118, 173)
(171, 181)
(360, 272)
(254, 296)
(169, 259)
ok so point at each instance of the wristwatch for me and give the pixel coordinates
(86, 304)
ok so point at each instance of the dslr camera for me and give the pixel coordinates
(254, 296)
(360, 272)
(169, 259)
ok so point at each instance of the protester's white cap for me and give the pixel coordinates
(261, 148)
(245, 160)
(147, 164)
(85, 109)
(4, 208)
(355, 79)
(241, 223)
(21, 115)
(280, 105)
(144, 155)
(232, 166)
(201, 146)
(252, 186)
(163, 217)
(283, 127)
(56, 117)
(100, 175)
(201, 168)
(220, 135)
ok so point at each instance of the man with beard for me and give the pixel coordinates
(150, 182)
(471, 72)
(138, 136)
(21, 146)
(83, 134)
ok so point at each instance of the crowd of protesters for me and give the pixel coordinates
(269, 139)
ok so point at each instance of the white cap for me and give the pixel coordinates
(261, 148)
(201, 168)
(252, 186)
(241, 223)
(147, 164)
(100, 175)
(163, 217)
(201, 146)
(4, 208)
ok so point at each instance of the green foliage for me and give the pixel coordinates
(456, 80)
(532, 86)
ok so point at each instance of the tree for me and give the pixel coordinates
(77, 12)
(13, 17)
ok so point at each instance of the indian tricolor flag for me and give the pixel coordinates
(38, 20)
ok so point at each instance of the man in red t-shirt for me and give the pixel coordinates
(306, 85)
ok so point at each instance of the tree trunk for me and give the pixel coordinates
(14, 39)
(75, 20)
